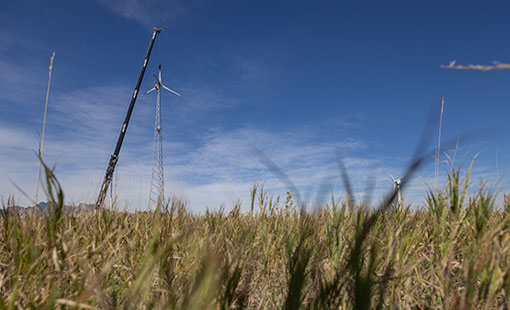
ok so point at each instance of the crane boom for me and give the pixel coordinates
(115, 156)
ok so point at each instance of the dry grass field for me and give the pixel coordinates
(452, 254)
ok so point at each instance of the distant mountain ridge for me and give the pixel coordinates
(43, 208)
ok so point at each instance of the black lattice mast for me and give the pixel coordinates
(115, 156)
(157, 189)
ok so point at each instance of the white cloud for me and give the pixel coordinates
(218, 167)
(223, 167)
(19, 85)
(217, 170)
(197, 101)
(151, 12)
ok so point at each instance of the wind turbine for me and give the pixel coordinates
(157, 189)
(396, 186)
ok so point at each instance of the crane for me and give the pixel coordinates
(115, 156)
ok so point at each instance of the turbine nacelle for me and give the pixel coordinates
(159, 85)
(396, 182)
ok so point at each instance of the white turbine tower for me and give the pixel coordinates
(396, 186)
(157, 190)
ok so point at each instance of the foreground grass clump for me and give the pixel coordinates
(455, 254)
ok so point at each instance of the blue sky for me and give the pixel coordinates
(297, 80)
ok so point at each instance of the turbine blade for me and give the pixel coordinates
(391, 177)
(157, 80)
(149, 91)
(172, 91)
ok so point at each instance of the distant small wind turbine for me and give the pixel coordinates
(396, 186)
(158, 178)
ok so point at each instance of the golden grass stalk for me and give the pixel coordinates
(438, 152)
(41, 146)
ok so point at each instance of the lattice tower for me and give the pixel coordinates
(157, 189)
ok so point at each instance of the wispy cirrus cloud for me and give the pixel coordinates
(197, 101)
(214, 166)
(20, 85)
(218, 169)
(151, 12)
(226, 164)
